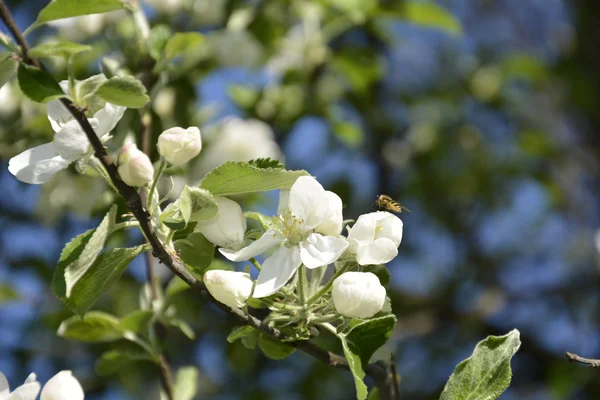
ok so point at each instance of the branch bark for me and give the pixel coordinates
(590, 362)
(378, 371)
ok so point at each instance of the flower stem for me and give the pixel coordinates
(302, 284)
(161, 168)
(327, 287)
(329, 327)
(256, 264)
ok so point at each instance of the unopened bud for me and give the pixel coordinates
(358, 294)
(62, 386)
(178, 145)
(135, 168)
(228, 287)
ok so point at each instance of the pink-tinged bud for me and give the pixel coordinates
(135, 167)
(178, 145)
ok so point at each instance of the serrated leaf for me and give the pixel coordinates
(181, 43)
(246, 334)
(195, 251)
(186, 383)
(197, 204)
(486, 374)
(233, 178)
(76, 269)
(356, 368)
(57, 49)
(367, 336)
(123, 91)
(266, 163)
(94, 328)
(274, 349)
(102, 274)
(8, 67)
(38, 85)
(136, 321)
(59, 9)
(431, 15)
(114, 360)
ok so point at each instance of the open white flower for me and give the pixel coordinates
(375, 237)
(301, 212)
(228, 227)
(358, 294)
(62, 386)
(39, 164)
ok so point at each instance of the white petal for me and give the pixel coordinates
(284, 200)
(390, 227)
(27, 391)
(37, 165)
(308, 202)
(62, 386)
(58, 114)
(108, 118)
(4, 388)
(228, 227)
(71, 141)
(32, 376)
(277, 271)
(318, 250)
(362, 232)
(332, 226)
(269, 239)
(380, 251)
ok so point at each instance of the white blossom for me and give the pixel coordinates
(375, 237)
(228, 287)
(296, 242)
(178, 145)
(135, 168)
(62, 386)
(358, 294)
(228, 227)
(39, 164)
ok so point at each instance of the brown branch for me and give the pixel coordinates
(590, 362)
(378, 370)
(166, 378)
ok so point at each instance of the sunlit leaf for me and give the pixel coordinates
(186, 383)
(114, 360)
(59, 9)
(123, 91)
(95, 327)
(181, 43)
(274, 349)
(57, 49)
(197, 204)
(8, 67)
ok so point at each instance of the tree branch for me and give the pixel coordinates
(378, 370)
(590, 362)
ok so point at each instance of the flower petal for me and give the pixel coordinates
(390, 227)
(27, 391)
(108, 117)
(277, 271)
(380, 251)
(37, 165)
(284, 200)
(269, 239)
(332, 226)
(362, 232)
(4, 388)
(308, 202)
(71, 141)
(58, 114)
(318, 250)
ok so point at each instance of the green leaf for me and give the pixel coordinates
(7, 293)
(114, 360)
(103, 273)
(8, 67)
(123, 91)
(266, 163)
(96, 327)
(57, 49)
(59, 9)
(240, 177)
(431, 15)
(7, 43)
(374, 394)
(176, 286)
(183, 326)
(181, 43)
(172, 217)
(265, 222)
(159, 35)
(186, 383)
(197, 204)
(274, 349)
(486, 374)
(356, 368)
(38, 85)
(367, 336)
(246, 334)
(76, 269)
(136, 321)
(195, 251)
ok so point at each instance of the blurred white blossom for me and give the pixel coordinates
(75, 28)
(62, 386)
(9, 100)
(358, 294)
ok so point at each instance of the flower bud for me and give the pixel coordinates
(227, 229)
(135, 167)
(358, 294)
(375, 238)
(228, 287)
(62, 386)
(178, 145)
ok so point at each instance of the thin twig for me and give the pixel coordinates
(166, 378)
(590, 362)
(377, 371)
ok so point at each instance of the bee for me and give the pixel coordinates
(386, 203)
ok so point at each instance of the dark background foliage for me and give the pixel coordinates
(484, 124)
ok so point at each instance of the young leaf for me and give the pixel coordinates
(136, 321)
(114, 360)
(274, 349)
(106, 270)
(38, 85)
(8, 67)
(76, 269)
(431, 15)
(59, 9)
(159, 35)
(94, 328)
(123, 91)
(197, 204)
(195, 251)
(181, 43)
(486, 374)
(186, 383)
(240, 177)
(368, 336)
(356, 368)
(247, 334)
(57, 49)
(183, 326)
(172, 217)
